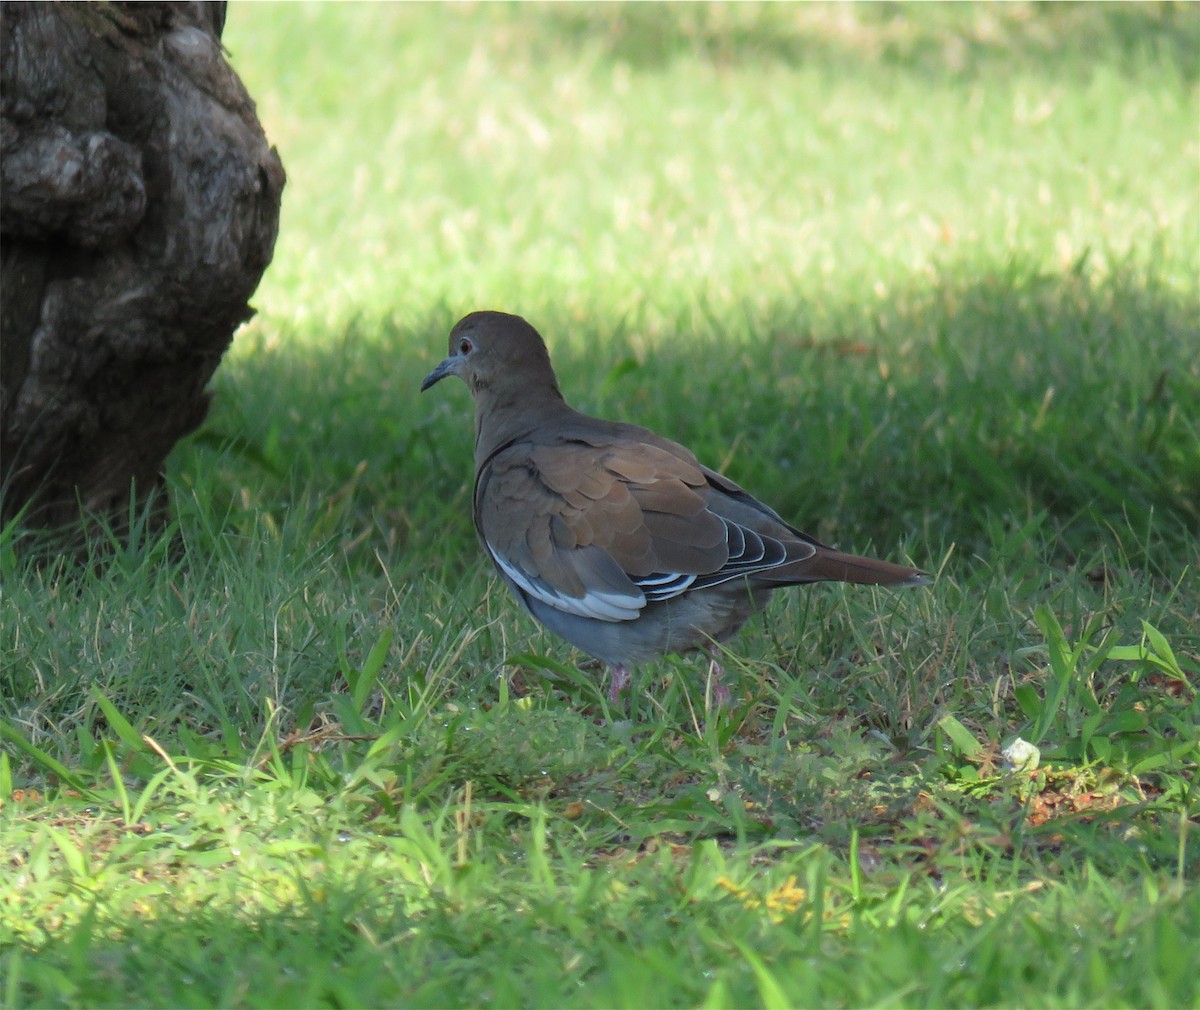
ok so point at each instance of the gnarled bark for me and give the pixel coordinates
(139, 207)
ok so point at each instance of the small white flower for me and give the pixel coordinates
(1021, 756)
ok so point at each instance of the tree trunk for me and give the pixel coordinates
(138, 209)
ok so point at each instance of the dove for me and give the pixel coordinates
(617, 539)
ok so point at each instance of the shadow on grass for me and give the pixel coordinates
(934, 415)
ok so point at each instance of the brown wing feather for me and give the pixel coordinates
(540, 507)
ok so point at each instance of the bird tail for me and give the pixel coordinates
(834, 566)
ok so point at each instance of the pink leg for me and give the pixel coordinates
(617, 682)
(720, 692)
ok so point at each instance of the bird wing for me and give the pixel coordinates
(600, 527)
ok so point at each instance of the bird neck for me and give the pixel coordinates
(504, 416)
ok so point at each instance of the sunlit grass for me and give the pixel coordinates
(624, 164)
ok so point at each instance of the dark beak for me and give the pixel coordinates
(439, 373)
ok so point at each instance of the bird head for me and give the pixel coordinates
(499, 355)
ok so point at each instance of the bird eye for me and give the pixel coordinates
(465, 346)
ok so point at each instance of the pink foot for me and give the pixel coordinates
(720, 692)
(617, 682)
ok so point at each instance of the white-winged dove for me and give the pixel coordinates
(615, 538)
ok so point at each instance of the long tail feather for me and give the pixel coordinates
(834, 566)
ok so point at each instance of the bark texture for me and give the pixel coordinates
(139, 207)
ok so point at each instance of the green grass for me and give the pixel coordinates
(926, 278)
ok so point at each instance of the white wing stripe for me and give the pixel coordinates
(749, 552)
(601, 606)
(664, 587)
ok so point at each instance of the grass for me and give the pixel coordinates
(923, 277)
